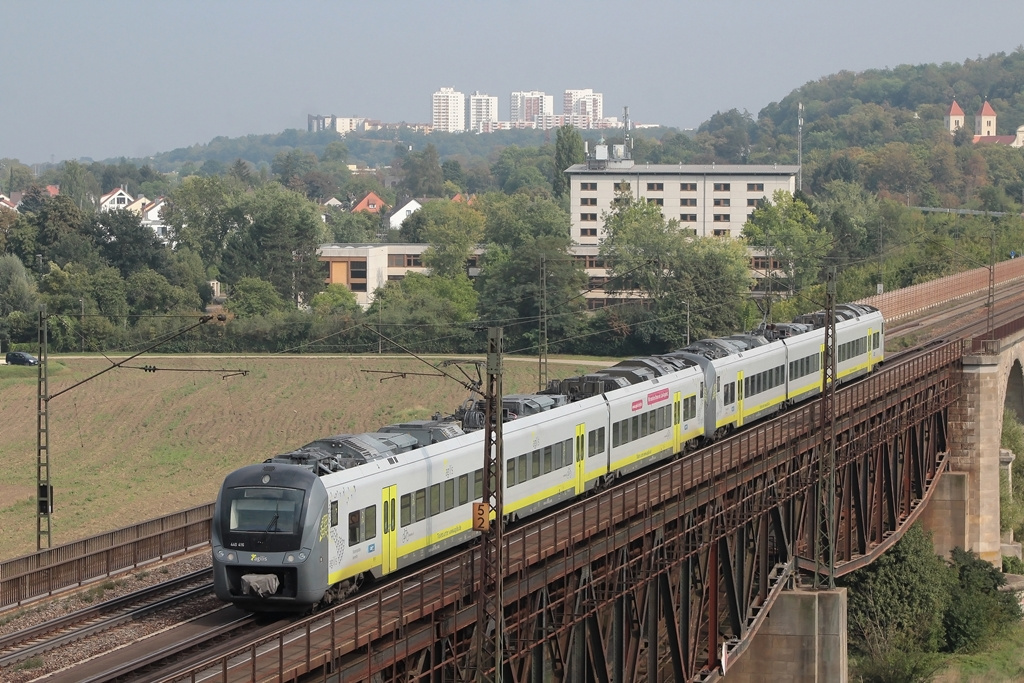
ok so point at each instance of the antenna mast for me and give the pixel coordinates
(800, 146)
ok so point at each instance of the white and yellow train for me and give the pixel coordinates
(310, 525)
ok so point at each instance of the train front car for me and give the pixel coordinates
(269, 538)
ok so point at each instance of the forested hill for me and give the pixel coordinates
(860, 109)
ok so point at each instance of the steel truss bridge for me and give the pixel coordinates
(663, 577)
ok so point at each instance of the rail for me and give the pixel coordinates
(30, 577)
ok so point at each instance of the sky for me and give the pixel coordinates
(110, 78)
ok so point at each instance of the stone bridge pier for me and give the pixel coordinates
(964, 508)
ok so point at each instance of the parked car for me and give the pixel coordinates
(21, 358)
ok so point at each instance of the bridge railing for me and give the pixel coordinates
(901, 303)
(49, 571)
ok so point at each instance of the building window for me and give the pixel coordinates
(404, 261)
(622, 186)
(588, 216)
(687, 187)
(655, 187)
(721, 233)
(755, 187)
(722, 187)
(756, 203)
(656, 200)
(724, 201)
(688, 201)
(687, 218)
(589, 261)
(588, 201)
(588, 186)
(721, 218)
(588, 232)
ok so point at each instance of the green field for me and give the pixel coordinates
(130, 445)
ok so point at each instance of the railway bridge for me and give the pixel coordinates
(712, 566)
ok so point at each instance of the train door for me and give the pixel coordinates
(677, 422)
(739, 398)
(389, 546)
(580, 441)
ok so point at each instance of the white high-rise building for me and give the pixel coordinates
(448, 111)
(527, 106)
(483, 112)
(584, 103)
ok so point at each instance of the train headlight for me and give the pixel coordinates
(302, 557)
(231, 557)
(289, 558)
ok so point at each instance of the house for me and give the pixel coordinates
(6, 203)
(399, 215)
(151, 218)
(333, 202)
(138, 205)
(371, 203)
(115, 199)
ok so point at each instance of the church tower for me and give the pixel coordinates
(954, 118)
(985, 120)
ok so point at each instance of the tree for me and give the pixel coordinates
(787, 230)
(147, 291)
(291, 165)
(126, 243)
(426, 312)
(452, 229)
(333, 300)
(515, 220)
(201, 212)
(568, 151)
(251, 297)
(345, 226)
(79, 184)
(19, 299)
(452, 172)
(422, 174)
(277, 242)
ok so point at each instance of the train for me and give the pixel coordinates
(308, 527)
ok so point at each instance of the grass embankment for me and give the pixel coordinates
(130, 445)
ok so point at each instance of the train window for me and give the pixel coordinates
(334, 513)
(434, 502)
(421, 505)
(370, 523)
(521, 467)
(677, 412)
(463, 489)
(449, 494)
(547, 458)
(634, 429)
(354, 527)
(729, 395)
(510, 473)
(615, 435)
(567, 446)
(876, 336)
(702, 389)
(478, 484)
(407, 510)
(535, 462)
(746, 385)
(643, 425)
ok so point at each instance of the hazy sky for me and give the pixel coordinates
(112, 78)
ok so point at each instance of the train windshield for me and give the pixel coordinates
(265, 509)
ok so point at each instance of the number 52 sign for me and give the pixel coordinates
(481, 517)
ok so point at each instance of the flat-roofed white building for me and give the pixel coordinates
(483, 112)
(448, 111)
(712, 200)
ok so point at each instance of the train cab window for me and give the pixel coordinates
(435, 500)
(406, 510)
(463, 489)
(449, 494)
(265, 509)
(548, 455)
(478, 484)
(334, 513)
(510, 473)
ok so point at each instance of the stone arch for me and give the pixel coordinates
(1014, 400)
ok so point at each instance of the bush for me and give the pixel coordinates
(1013, 565)
(979, 612)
